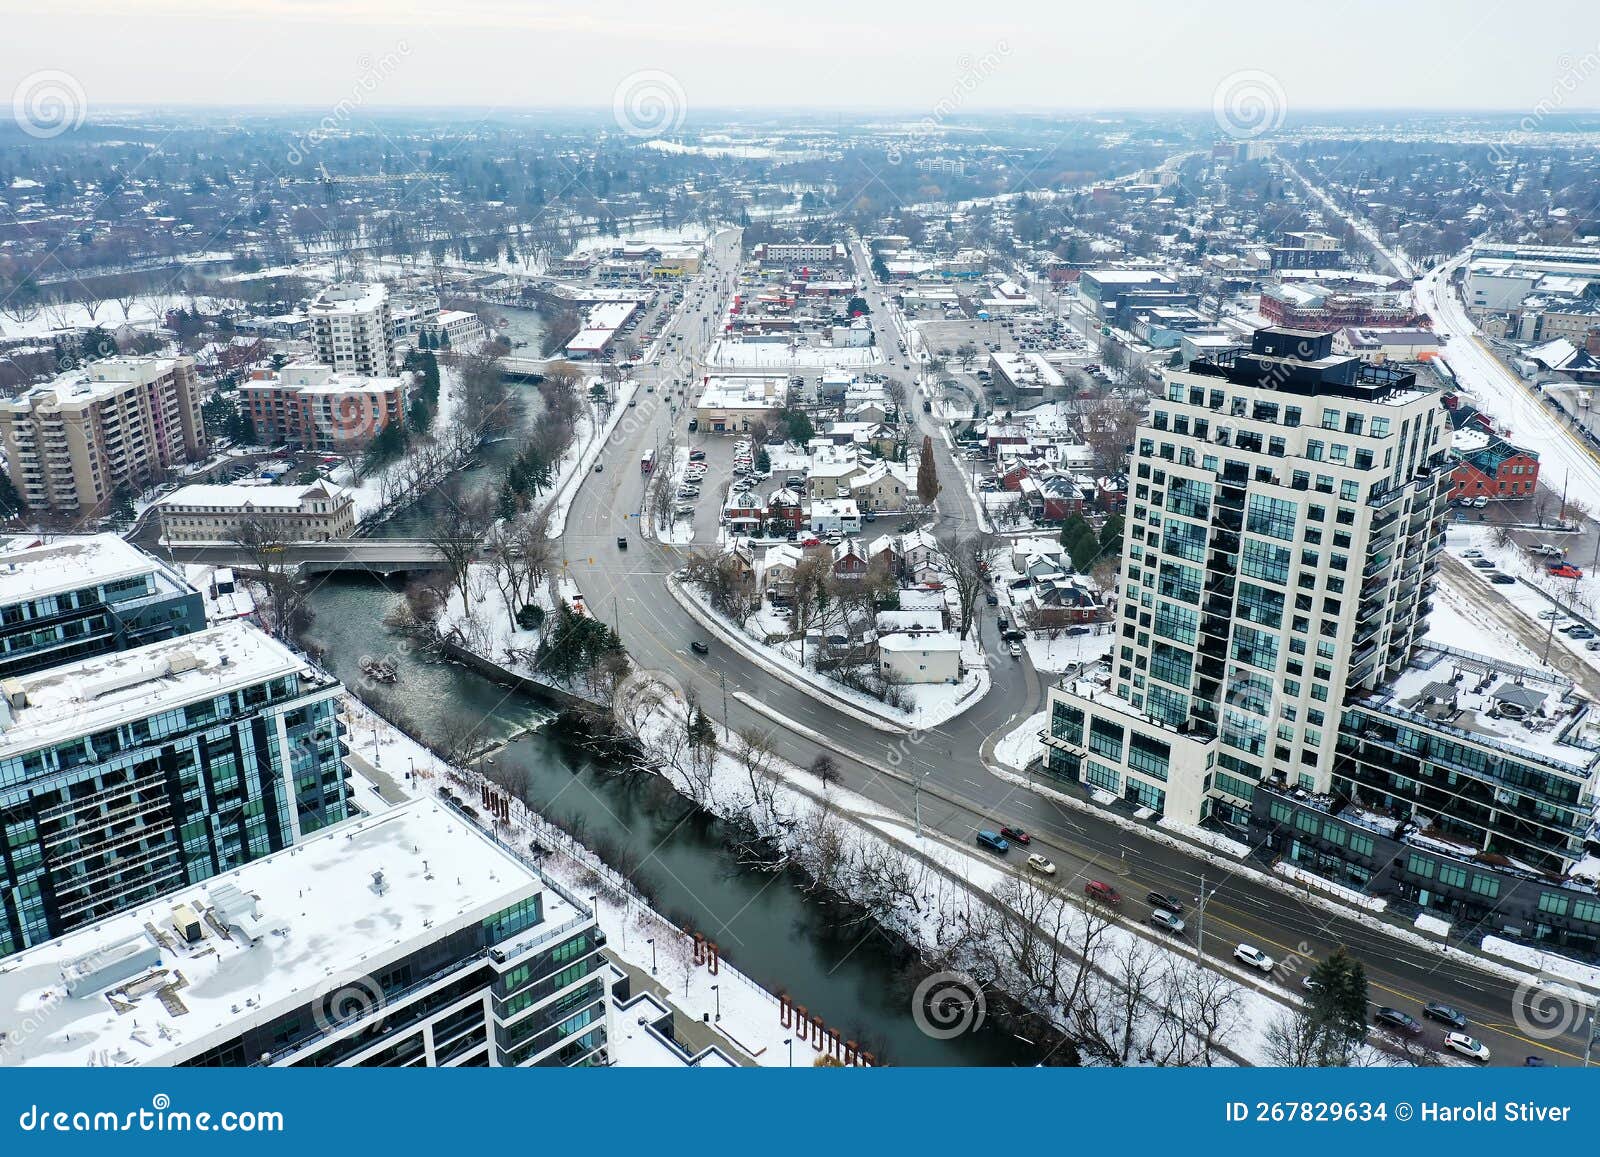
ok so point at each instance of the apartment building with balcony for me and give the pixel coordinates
(77, 597)
(126, 776)
(1287, 512)
(122, 422)
(318, 407)
(352, 329)
(407, 938)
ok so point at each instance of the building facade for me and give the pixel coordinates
(116, 424)
(352, 329)
(321, 408)
(1287, 512)
(126, 776)
(319, 512)
(79, 597)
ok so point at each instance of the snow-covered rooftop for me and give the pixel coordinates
(275, 933)
(94, 694)
(68, 564)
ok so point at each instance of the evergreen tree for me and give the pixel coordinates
(927, 474)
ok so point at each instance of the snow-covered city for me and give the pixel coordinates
(661, 566)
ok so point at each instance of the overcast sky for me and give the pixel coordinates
(1064, 54)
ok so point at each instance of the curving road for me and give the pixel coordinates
(956, 793)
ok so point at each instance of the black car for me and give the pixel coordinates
(1395, 1019)
(1170, 903)
(622, 542)
(1444, 1014)
(699, 648)
(1502, 580)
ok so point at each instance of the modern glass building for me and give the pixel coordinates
(1286, 514)
(77, 597)
(409, 937)
(128, 775)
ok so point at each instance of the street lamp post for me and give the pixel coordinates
(652, 942)
(789, 1040)
(717, 988)
(1200, 926)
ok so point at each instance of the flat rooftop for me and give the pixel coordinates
(350, 299)
(98, 693)
(68, 564)
(1502, 703)
(317, 920)
(234, 496)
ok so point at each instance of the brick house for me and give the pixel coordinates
(1496, 470)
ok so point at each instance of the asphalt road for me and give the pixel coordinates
(957, 795)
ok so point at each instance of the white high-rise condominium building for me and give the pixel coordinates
(1285, 514)
(353, 330)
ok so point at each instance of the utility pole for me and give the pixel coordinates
(724, 681)
(916, 801)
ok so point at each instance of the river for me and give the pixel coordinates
(765, 925)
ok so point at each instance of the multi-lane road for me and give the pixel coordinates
(957, 794)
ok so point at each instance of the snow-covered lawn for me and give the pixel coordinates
(1067, 651)
(928, 704)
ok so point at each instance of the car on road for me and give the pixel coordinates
(1545, 550)
(697, 455)
(1253, 956)
(1103, 893)
(1470, 1047)
(993, 841)
(699, 648)
(1041, 865)
(992, 599)
(1445, 1014)
(1400, 1021)
(1166, 921)
(622, 542)
(1016, 650)
(599, 466)
(1162, 900)
(1016, 834)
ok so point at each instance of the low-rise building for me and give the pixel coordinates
(220, 513)
(834, 516)
(730, 404)
(1491, 467)
(920, 658)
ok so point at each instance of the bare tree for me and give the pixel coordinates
(965, 560)
(456, 531)
(265, 541)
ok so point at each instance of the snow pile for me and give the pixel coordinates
(1018, 747)
(1348, 895)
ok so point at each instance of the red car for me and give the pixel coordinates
(1016, 835)
(1104, 893)
(1565, 570)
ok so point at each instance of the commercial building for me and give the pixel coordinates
(321, 408)
(1110, 291)
(119, 423)
(408, 938)
(1026, 375)
(317, 512)
(1491, 467)
(1310, 305)
(800, 253)
(78, 597)
(352, 329)
(732, 403)
(125, 776)
(1301, 250)
(1287, 512)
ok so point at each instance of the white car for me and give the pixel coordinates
(1016, 650)
(1253, 956)
(1041, 865)
(1470, 1047)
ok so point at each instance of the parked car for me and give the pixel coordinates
(1016, 834)
(699, 648)
(1472, 554)
(1400, 1021)
(1502, 580)
(1041, 865)
(1545, 550)
(1445, 1014)
(1167, 921)
(993, 842)
(1251, 955)
(1102, 892)
(1470, 1047)
(1565, 570)
(1482, 564)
